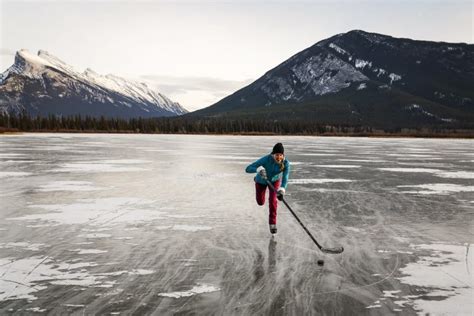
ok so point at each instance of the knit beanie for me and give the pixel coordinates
(278, 149)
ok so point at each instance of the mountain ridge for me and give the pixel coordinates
(434, 77)
(43, 84)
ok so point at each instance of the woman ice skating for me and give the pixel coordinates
(276, 168)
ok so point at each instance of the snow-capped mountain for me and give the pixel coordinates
(363, 78)
(43, 84)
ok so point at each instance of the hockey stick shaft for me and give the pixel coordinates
(326, 250)
(294, 214)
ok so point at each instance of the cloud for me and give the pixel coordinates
(174, 84)
(194, 92)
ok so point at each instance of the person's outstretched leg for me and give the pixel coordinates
(260, 193)
(273, 204)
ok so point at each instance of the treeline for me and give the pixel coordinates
(185, 125)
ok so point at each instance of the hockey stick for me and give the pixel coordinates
(335, 250)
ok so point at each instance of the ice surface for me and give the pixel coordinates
(186, 235)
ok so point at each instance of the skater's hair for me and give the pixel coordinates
(282, 165)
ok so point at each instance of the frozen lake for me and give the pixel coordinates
(166, 224)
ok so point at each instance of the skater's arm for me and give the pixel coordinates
(252, 168)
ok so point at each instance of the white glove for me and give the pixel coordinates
(281, 191)
(262, 172)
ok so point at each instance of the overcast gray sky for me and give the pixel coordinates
(197, 52)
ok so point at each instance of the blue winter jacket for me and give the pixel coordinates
(272, 168)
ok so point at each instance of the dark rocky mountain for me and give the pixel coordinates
(362, 78)
(43, 84)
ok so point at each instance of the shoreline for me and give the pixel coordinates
(366, 135)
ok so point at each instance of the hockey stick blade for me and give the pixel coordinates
(335, 250)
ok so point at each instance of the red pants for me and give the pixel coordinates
(272, 199)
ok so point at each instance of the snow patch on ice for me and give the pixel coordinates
(182, 216)
(198, 289)
(133, 272)
(190, 228)
(123, 238)
(411, 170)
(92, 236)
(338, 166)
(141, 272)
(456, 174)
(445, 272)
(376, 304)
(97, 212)
(68, 186)
(187, 228)
(21, 278)
(11, 155)
(354, 229)
(17, 161)
(228, 157)
(35, 310)
(318, 154)
(417, 155)
(390, 293)
(95, 167)
(13, 174)
(23, 245)
(438, 188)
(123, 161)
(89, 251)
(436, 172)
(362, 160)
(317, 181)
